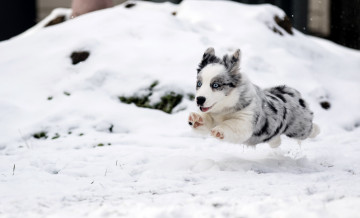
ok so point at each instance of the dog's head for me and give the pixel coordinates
(218, 82)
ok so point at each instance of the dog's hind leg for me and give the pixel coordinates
(275, 142)
(314, 131)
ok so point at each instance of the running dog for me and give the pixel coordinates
(235, 110)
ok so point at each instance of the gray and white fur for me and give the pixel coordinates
(235, 110)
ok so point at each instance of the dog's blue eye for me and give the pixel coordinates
(199, 84)
(215, 85)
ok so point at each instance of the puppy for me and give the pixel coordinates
(235, 110)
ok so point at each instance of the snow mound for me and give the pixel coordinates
(69, 143)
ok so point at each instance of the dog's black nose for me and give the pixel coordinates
(200, 100)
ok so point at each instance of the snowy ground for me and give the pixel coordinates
(151, 164)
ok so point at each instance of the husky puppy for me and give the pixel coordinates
(235, 110)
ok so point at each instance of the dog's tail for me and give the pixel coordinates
(314, 131)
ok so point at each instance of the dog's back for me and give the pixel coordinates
(281, 110)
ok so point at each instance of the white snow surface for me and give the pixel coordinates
(152, 164)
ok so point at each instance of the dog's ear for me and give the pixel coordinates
(236, 56)
(207, 58)
(232, 63)
(208, 52)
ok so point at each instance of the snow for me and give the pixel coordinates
(151, 164)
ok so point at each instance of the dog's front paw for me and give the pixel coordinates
(217, 132)
(195, 120)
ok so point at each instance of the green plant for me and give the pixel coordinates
(167, 102)
(40, 135)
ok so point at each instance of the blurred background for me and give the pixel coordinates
(336, 20)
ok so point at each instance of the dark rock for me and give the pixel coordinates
(79, 56)
(284, 23)
(325, 104)
(275, 30)
(56, 20)
(130, 5)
